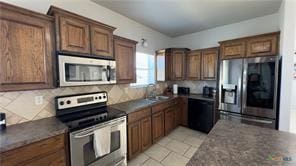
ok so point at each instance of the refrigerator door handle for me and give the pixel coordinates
(244, 83)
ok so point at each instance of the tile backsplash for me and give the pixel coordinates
(195, 86)
(20, 106)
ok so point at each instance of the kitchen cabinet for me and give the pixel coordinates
(233, 49)
(74, 35)
(139, 132)
(209, 63)
(27, 50)
(79, 35)
(125, 55)
(101, 41)
(265, 45)
(171, 64)
(193, 63)
(251, 46)
(134, 139)
(146, 133)
(178, 64)
(50, 151)
(183, 104)
(157, 126)
(178, 115)
(169, 120)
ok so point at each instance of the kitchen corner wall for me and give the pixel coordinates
(195, 86)
(20, 106)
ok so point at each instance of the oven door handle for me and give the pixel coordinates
(91, 132)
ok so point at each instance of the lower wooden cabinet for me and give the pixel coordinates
(169, 120)
(134, 139)
(157, 126)
(146, 140)
(183, 104)
(50, 151)
(149, 125)
(139, 132)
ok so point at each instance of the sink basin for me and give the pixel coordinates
(158, 98)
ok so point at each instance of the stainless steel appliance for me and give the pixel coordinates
(248, 90)
(85, 114)
(76, 71)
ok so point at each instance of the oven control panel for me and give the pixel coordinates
(70, 101)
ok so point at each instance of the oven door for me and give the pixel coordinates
(82, 151)
(75, 71)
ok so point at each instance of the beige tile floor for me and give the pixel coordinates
(173, 150)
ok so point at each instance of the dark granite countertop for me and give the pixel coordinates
(235, 144)
(25, 133)
(136, 105)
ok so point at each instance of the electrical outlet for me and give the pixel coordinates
(38, 100)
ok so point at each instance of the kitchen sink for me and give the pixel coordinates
(158, 98)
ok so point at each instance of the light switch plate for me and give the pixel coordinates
(38, 100)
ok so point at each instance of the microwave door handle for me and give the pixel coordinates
(108, 73)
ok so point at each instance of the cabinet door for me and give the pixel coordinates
(178, 64)
(178, 115)
(26, 51)
(157, 126)
(209, 64)
(193, 62)
(183, 103)
(263, 46)
(101, 41)
(125, 60)
(233, 49)
(146, 139)
(169, 119)
(134, 139)
(74, 35)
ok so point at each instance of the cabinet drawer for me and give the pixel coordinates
(55, 159)
(138, 115)
(163, 106)
(28, 152)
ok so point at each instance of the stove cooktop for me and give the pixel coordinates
(88, 118)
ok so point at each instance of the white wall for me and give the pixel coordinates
(211, 37)
(287, 16)
(125, 26)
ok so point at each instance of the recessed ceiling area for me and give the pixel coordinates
(180, 17)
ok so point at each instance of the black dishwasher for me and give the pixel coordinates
(200, 115)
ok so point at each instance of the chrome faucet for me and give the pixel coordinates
(151, 94)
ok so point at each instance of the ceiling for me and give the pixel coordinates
(179, 17)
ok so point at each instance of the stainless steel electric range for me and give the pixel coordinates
(89, 119)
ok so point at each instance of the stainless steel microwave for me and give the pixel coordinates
(78, 71)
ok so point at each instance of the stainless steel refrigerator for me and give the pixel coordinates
(249, 89)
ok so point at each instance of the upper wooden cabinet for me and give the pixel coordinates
(26, 52)
(232, 49)
(193, 64)
(264, 45)
(209, 63)
(80, 35)
(178, 57)
(101, 41)
(74, 35)
(253, 46)
(125, 55)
